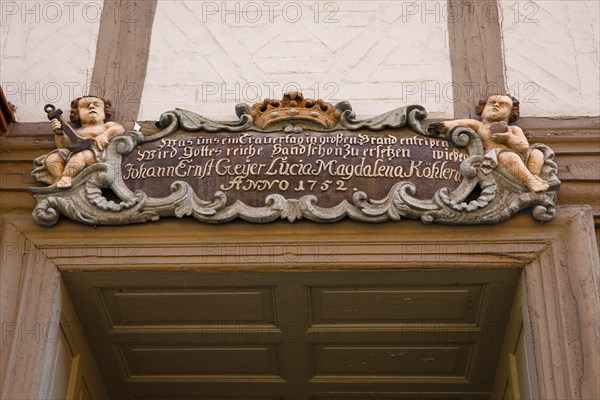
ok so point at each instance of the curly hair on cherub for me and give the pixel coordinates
(514, 112)
(74, 115)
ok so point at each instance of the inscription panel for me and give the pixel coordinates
(330, 165)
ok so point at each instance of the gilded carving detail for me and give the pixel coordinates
(293, 112)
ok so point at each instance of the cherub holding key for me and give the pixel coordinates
(82, 146)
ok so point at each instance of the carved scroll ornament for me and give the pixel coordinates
(225, 169)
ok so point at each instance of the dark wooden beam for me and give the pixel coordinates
(122, 55)
(475, 53)
(6, 114)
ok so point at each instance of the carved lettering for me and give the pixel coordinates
(253, 165)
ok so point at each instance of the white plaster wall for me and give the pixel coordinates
(207, 56)
(552, 56)
(47, 52)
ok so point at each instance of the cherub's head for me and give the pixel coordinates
(90, 110)
(498, 107)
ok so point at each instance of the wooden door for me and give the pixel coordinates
(516, 378)
(74, 371)
(417, 334)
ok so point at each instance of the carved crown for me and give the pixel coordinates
(294, 111)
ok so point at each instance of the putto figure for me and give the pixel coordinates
(507, 145)
(60, 166)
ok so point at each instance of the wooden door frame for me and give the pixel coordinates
(559, 259)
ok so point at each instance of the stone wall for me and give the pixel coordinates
(551, 53)
(47, 52)
(376, 54)
(207, 56)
